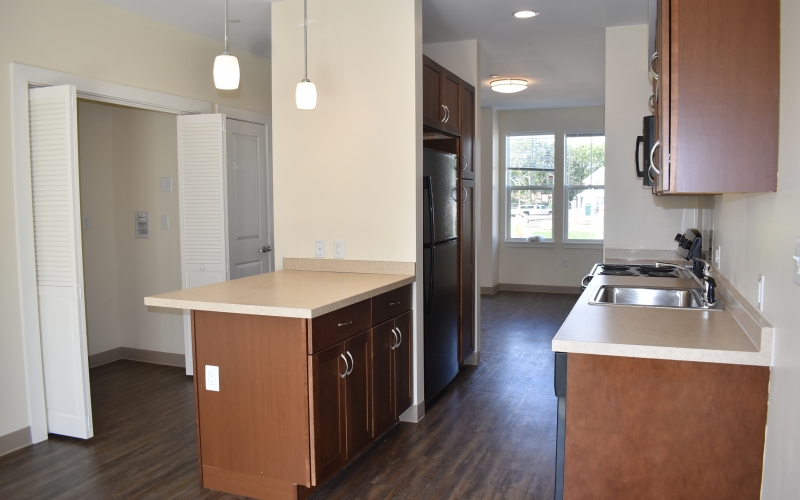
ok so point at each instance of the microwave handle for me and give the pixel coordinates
(639, 171)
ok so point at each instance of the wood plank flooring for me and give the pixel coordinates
(491, 434)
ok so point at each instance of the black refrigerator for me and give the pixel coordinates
(440, 269)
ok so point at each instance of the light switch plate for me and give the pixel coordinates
(86, 224)
(165, 222)
(166, 184)
(718, 256)
(338, 249)
(212, 378)
(565, 263)
(760, 293)
(797, 261)
(319, 249)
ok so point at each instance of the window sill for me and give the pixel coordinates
(530, 244)
(583, 244)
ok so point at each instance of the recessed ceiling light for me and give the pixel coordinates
(234, 21)
(525, 14)
(508, 85)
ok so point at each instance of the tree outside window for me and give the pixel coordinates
(530, 172)
(585, 187)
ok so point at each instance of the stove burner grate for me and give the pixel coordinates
(661, 274)
(648, 267)
(615, 267)
(618, 273)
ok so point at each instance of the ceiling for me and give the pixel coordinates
(561, 52)
(204, 17)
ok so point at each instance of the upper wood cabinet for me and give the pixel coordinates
(717, 87)
(441, 98)
(466, 158)
(466, 260)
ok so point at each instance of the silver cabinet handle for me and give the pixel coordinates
(394, 303)
(401, 337)
(444, 113)
(465, 162)
(465, 195)
(650, 102)
(447, 114)
(652, 166)
(352, 363)
(652, 69)
(346, 367)
(396, 340)
(345, 324)
(266, 249)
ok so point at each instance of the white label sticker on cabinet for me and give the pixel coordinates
(212, 378)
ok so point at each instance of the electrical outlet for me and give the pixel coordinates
(86, 224)
(760, 293)
(212, 378)
(165, 222)
(338, 249)
(319, 249)
(565, 263)
(718, 256)
(797, 261)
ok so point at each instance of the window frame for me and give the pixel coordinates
(566, 240)
(509, 189)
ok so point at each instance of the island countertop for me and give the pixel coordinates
(288, 293)
(735, 335)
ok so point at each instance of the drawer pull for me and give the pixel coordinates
(352, 364)
(396, 341)
(346, 367)
(394, 303)
(345, 324)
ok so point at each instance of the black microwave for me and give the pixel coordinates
(646, 140)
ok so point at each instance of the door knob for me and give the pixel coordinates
(266, 249)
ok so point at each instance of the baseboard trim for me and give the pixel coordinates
(490, 290)
(473, 359)
(15, 441)
(155, 357)
(514, 287)
(414, 414)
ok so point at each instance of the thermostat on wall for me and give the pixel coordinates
(142, 225)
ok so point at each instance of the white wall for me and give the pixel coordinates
(92, 39)
(350, 169)
(123, 154)
(488, 246)
(541, 263)
(634, 217)
(757, 233)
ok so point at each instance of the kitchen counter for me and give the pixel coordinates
(735, 335)
(288, 293)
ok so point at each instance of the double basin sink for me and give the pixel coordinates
(672, 298)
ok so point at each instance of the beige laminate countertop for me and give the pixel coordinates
(291, 294)
(735, 335)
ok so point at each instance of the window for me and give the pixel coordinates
(530, 168)
(585, 187)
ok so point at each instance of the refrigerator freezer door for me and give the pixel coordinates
(441, 170)
(441, 323)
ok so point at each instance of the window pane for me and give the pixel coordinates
(531, 151)
(585, 158)
(531, 213)
(585, 211)
(529, 178)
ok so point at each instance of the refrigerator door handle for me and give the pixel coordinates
(428, 185)
(429, 302)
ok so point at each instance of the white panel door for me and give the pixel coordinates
(248, 235)
(59, 259)
(201, 181)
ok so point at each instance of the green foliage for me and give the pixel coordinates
(583, 160)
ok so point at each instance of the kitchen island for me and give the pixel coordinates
(296, 373)
(661, 402)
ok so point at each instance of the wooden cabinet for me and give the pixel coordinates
(467, 146)
(441, 98)
(328, 371)
(718, 86)
(402, 365)
(466, 260)
(357, 394)
(392, 376)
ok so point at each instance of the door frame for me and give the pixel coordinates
(24, 77)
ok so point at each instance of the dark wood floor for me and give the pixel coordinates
(491, 434)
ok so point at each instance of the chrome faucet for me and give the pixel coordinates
(708, 283)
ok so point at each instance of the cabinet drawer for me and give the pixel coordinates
(339, 325)
(390, 304)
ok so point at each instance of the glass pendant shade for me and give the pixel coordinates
(226, 72)
(306, 95)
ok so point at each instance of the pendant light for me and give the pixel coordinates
(306, 94)
(226, 66)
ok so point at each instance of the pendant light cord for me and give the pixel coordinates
(226, 28)
(305, 36)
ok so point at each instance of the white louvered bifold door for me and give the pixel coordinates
(202, 184)
(59, 259)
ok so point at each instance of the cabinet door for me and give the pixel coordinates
(328, 410)
(662, 108)
(432, 81)
(357, 394)
(383, 339)
(466, 260)
(402, 359)
(451, 98)
(466, 165)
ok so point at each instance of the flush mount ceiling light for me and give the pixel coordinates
(508, 85)
(306, 94)
(525, 14)
(226, 66)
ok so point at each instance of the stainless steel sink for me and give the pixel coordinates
(674, 298)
